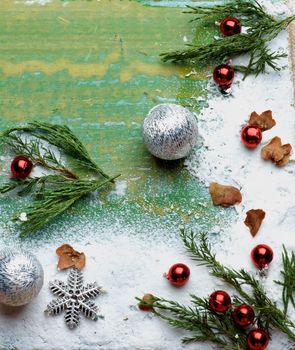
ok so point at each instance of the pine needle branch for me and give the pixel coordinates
(52, 193)
(257, 64)
(28, 185)
(269, 314)
(63, 138)
(188, 318)
(53, 200)
(261, 29)
(288, 279)
(249, 12)
(206, 325)
(40, 155)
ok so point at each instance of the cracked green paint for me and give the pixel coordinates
(94, 65)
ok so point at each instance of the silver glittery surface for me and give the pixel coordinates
(21, 277)
(170, 131)
(74, 298)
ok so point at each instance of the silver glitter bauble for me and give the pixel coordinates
(21, 277)
(170, 131)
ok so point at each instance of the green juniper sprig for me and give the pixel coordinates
(203, 324)
(64, 139)
(288, 282)
(38, 153)
(206, 325)
(269, 314)
(53, 193)
(261, 29)
(249, 11)
(52, 201)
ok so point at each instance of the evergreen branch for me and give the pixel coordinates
(288, 282)
(9, 186)
(257, 66)
(53, 193)
(206, 325)
(30, 185)
(190, 319)
(221, 49)
(54, 200)
(63, 138)
(269, 314)
(26, 185)
(249, 12)
(223, 324)
(33, 149)
(261, 28)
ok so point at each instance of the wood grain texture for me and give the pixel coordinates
(94, 65)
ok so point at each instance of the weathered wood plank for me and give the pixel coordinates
(95, 66)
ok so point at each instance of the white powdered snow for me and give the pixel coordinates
(127, 265)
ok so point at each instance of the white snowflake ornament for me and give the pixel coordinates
(73, 298)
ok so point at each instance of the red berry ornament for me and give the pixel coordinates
(251, 136)
(146, 304)
(262, 256)
(243, 315)
(21, 167)
(223, 76)
(230, 26)
(220, 301)
(178, 274)
(257, 339)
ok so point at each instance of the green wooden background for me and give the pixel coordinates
(94, 65)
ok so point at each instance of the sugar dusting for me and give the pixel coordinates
(129, 262)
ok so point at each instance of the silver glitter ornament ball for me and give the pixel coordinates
(21, 277)
(170, 131)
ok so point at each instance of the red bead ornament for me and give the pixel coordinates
(21, 167)
(220, 301)
(178, 274)
(257, 339)
(262, 255)
(251, 136)
(243, 315)
(223, 76)
(146, 304)
(230, 26)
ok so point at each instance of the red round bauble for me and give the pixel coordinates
(243, 315)
(251, 136)
(178, 274)
(257, 339)
(230, 26)
(223, 76)
(220, 301)
(262, 255)
(21, 167)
